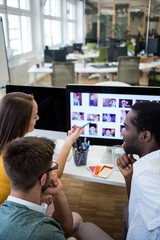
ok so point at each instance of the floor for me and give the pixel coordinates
(98, 203)
(85, 79)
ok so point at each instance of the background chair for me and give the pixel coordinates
(102, 58)
(91, 46)
(154, 77)
(103, 55)
(128, 70)
(63, 74)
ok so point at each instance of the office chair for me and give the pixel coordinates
(103, 55)
(102, 58)
(63, 74)
(154, 77)
(128, 70)
(91, 46)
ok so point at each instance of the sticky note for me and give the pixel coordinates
(105, 172)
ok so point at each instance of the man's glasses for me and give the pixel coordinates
(54, 167)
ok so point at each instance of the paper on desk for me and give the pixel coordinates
(105, 172)
(101, 171)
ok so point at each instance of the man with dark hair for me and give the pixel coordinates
(141, 136)
(29, 166)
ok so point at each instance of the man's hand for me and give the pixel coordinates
(125, 164)
(55, 187)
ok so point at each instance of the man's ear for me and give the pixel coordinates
(147, 136)
(43, 179)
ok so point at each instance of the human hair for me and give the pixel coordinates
(15, 115)
(25, 159)
(147, 118)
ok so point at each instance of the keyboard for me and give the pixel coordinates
(106, 65)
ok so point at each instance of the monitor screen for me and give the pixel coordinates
(115, 52)
(104, 108)
(51, 105)
(55, 55)
(152, 46)
(77, 47)
(48, 55)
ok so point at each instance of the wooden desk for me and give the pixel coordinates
(98, 155)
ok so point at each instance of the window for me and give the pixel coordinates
(52, 32)
(71, 10)
(19, 26)
(71, 31)
(52, 22)
(53, 8)
(71, 20)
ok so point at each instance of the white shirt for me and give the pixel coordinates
(35, 207)
(144, 204)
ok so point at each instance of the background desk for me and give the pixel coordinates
(88, 68)
(98, 155)
(79, 56)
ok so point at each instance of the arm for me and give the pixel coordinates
(62, 212)
(73, 134)
(125, 165)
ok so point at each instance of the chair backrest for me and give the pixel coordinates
(63, 74)
(103, 55)
(128, 70)
(91, 46)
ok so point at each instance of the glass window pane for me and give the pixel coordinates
(56, 32)
(71, 31)
(56, 8)
(47, 7)
(26, 34)
(12, 3)
(1, 2)
(14, 34)
(71, 10)
(47, 31)
(24, 4)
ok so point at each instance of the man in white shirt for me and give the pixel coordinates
(141, 136)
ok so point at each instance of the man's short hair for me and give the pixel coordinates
(25, 159)
(148, 115)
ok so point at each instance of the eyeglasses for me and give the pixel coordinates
(54, 166)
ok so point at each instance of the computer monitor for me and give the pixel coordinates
(48, 55)
(77, 47)
(51, 105)
(115, 52)
(152, 46)
(104, 108)
(55, 55)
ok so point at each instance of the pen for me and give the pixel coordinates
(85, 125)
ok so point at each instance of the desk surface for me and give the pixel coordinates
(79, 56)
(98, 155)
(80, 68)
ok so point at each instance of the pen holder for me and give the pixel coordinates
(80, 158)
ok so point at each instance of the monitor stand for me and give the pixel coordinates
(107, 156)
